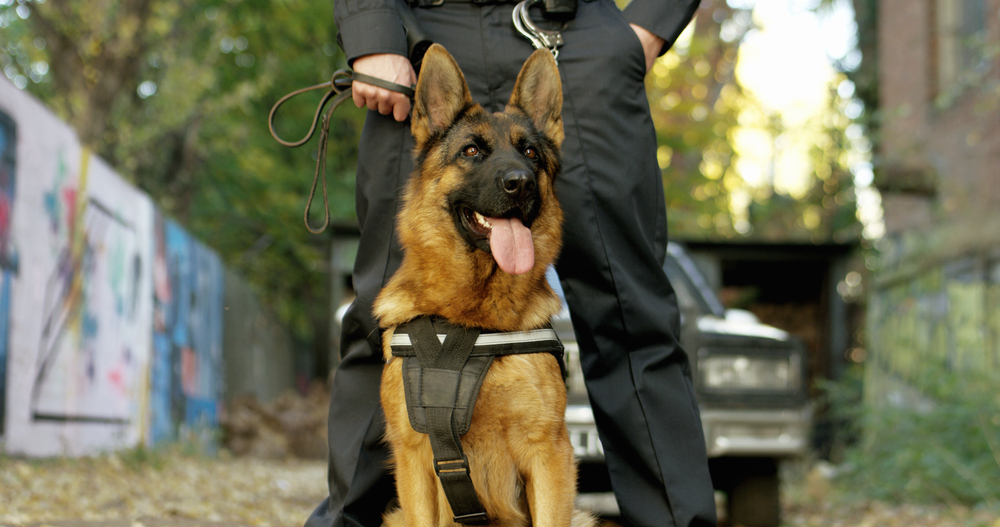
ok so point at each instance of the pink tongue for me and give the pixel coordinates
(510, 243)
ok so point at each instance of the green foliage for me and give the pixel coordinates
(700, 108)
(175, 95)
(841, 402)
(827, 210)
(941, 445)
(186, 120)
(139, 458)
(695, 102)
(253, 189)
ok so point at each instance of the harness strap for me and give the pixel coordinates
(440, 367)
(444, 366)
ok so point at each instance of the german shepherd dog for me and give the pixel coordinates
(479, 226)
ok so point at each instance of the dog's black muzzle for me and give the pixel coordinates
(519, 184)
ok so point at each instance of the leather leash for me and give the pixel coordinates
(339, 90)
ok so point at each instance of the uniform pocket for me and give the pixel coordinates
(638, 53)
(600, 35)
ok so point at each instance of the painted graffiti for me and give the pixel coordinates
(186, 370)
(8, 254)
(86, 369)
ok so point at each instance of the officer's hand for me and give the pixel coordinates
(389, 67)
(651, 44)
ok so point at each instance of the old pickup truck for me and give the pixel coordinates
(751, 386)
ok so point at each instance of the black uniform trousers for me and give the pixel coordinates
(623, 307)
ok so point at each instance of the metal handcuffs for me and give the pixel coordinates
(540, 38)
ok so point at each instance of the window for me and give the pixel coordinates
(959, 36)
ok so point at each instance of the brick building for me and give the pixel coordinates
(935, 300)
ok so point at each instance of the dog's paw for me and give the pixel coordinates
(583, 519)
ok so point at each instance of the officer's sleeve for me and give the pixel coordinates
(663, 18)
(369, 26)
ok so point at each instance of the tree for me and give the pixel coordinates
(701, 110)
(695, 103)
(175, 94)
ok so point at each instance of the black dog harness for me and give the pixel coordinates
(443, 369)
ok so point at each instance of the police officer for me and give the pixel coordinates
(624, 310)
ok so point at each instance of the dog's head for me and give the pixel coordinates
(488, 175)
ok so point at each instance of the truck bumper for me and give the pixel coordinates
(744, 432)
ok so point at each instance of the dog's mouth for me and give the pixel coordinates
(506, 238)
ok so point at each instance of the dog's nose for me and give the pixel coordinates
(519, 183)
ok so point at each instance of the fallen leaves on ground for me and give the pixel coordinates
(171, 488)
(879, 514)
(812, 498)
(244, 491)
(291, 425)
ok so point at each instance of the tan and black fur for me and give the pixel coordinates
(500, 165)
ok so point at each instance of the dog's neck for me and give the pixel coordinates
(504, 302)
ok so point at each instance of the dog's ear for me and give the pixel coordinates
(538, 92)
(441, 94)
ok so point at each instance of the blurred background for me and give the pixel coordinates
(831, 166)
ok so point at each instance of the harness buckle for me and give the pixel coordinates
(476, 518)
(451, 467)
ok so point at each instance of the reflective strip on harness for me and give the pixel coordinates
(401, 341)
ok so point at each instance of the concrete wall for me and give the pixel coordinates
(941, 320)
(257, 351)
(111, 315)
(9, 264)
(80, 312)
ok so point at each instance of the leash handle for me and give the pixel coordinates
(339, 90)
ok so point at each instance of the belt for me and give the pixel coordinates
(435, 3)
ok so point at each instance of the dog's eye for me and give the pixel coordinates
(470, 151)
(530, 152)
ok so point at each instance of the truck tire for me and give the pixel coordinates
(754, 500)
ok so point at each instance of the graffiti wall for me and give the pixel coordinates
(110, 316)
(8, 256)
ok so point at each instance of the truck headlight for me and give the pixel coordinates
(748, 372)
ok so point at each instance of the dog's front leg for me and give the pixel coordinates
(550, 484)
(416, 482)
(417, 486)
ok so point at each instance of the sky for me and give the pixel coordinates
(786, 63)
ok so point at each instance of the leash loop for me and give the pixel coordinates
(339, 90)
(335, 85)
(540, 38)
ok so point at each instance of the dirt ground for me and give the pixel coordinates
(164, 489)
(159, 489)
